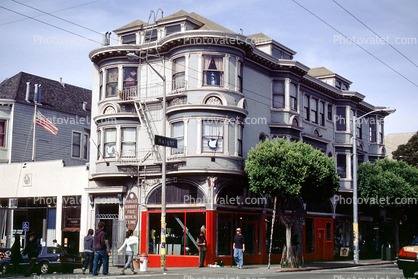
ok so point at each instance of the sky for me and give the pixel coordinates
(315, 29)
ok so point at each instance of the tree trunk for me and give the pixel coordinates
(288, 257)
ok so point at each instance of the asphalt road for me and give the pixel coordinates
(387, 271)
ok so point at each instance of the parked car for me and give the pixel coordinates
(50, 259)
(407, 259)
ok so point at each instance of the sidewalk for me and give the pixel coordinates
(253, 269)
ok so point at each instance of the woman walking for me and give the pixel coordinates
(201, 243)
(130, 241)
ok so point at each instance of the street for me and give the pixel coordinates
(386, 271)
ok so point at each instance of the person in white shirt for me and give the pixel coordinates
(130, 241)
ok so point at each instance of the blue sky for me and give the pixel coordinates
(40, 49)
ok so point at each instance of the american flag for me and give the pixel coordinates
(44, 122)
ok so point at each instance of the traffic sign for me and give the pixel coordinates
(25, 226)
(164, 141)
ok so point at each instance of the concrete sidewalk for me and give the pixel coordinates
(253, 269)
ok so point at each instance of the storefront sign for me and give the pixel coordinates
(131, 211)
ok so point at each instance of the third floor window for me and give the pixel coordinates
(213, 72)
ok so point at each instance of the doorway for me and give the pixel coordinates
(249, 230)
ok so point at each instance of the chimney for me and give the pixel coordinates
(84, 105)
(39, 93)
(63, 84)
(27, 91)
(35, 98)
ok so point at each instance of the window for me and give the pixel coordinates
(151, 35)
(101, 85)
(310, 235)
(372, 127)
(128, 142)
(178, 134)
(306, 107)
(359, 129)
(130, 76)
(2, 133)
(278, 94)
(322, 113)
(212, 135)
(224, 234)
(314, 110)
(328, 231)
(172, 29)
(213, 70)
(293, 97)
(76, 146)
(111, 82)
(329, 112)
(341, 165)
(86, 146)
(239, 136)
(381, 130)
(99, 142)
(129, 39)
(340, 119)
(179, 66)
(110, 143)
(240, 70)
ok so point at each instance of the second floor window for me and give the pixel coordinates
(240, 69)
(101, 86)
(212, 136)
(130, 77)
(340, 119)
(314, 110)
(372, 127)
(306, 107)
(381, 131)
(128, 142)
(213, 72)
(110, 142)
(2, 133)
(178, 134)
(329, 112)
(85, 147)
(111, 82)
(322, 113)
(293, 97)
(342, 165)
(151, 35)
(179, 67)
(76, 146)
(278, 94)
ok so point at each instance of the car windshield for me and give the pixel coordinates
(415, 241)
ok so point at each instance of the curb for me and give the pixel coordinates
(332, 266)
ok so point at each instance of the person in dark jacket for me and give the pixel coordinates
(202, 247)
(16, 257)
(32, 249)
(88, 251)
(100, 253)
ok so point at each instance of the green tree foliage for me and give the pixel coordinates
(408, 152)
(388, 184)
(290, 171)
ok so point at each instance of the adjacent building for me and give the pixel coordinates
(225, 92)
(41, 164)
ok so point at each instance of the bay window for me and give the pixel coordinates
(293, 97)
(179, 67)
(340, 119)
(239, 81)
(76, 145)
(111, 82)
(130, 77)
(213, 70)
(322, 113)
(278, 94)
(110, 142)
(306, 107)
(341, 165)
(314, 110)
(128, 147)
(2, 133)
(178, 134)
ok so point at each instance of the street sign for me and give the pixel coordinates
(25, 226)
(164, 141)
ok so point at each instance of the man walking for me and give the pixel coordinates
(33, 248)
(239, 248)
(101, 250)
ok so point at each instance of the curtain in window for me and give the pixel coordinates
(179, 65)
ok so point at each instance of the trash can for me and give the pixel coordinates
(143, 260)
(386, 252)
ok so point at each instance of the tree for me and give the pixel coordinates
(290, 172)
(390, 185)
(408, 152)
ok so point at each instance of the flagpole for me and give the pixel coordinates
(34, 132)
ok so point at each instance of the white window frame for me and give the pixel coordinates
(219, 137)
(80, 144)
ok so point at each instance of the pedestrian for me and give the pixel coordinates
(55, 243)
(88, 251)
(16, 256)
(202, 247)
(239, 248)
(129, 242)
(100, 248)
(32, 249)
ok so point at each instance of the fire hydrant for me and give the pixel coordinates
(143, 262)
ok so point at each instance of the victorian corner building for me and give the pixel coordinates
(224, 93)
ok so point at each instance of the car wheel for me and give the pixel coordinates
(44, 267)
(5, 268)
(408, 273)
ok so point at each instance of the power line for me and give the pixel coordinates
(52, 12)
(371, 54)
(376, 34)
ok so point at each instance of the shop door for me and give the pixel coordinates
(250, 233)
(320, 255)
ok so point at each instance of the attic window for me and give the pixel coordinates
(129, 39)
(151, 35)
(172, 29)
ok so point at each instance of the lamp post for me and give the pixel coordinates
(133, 56)
(355, 188)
